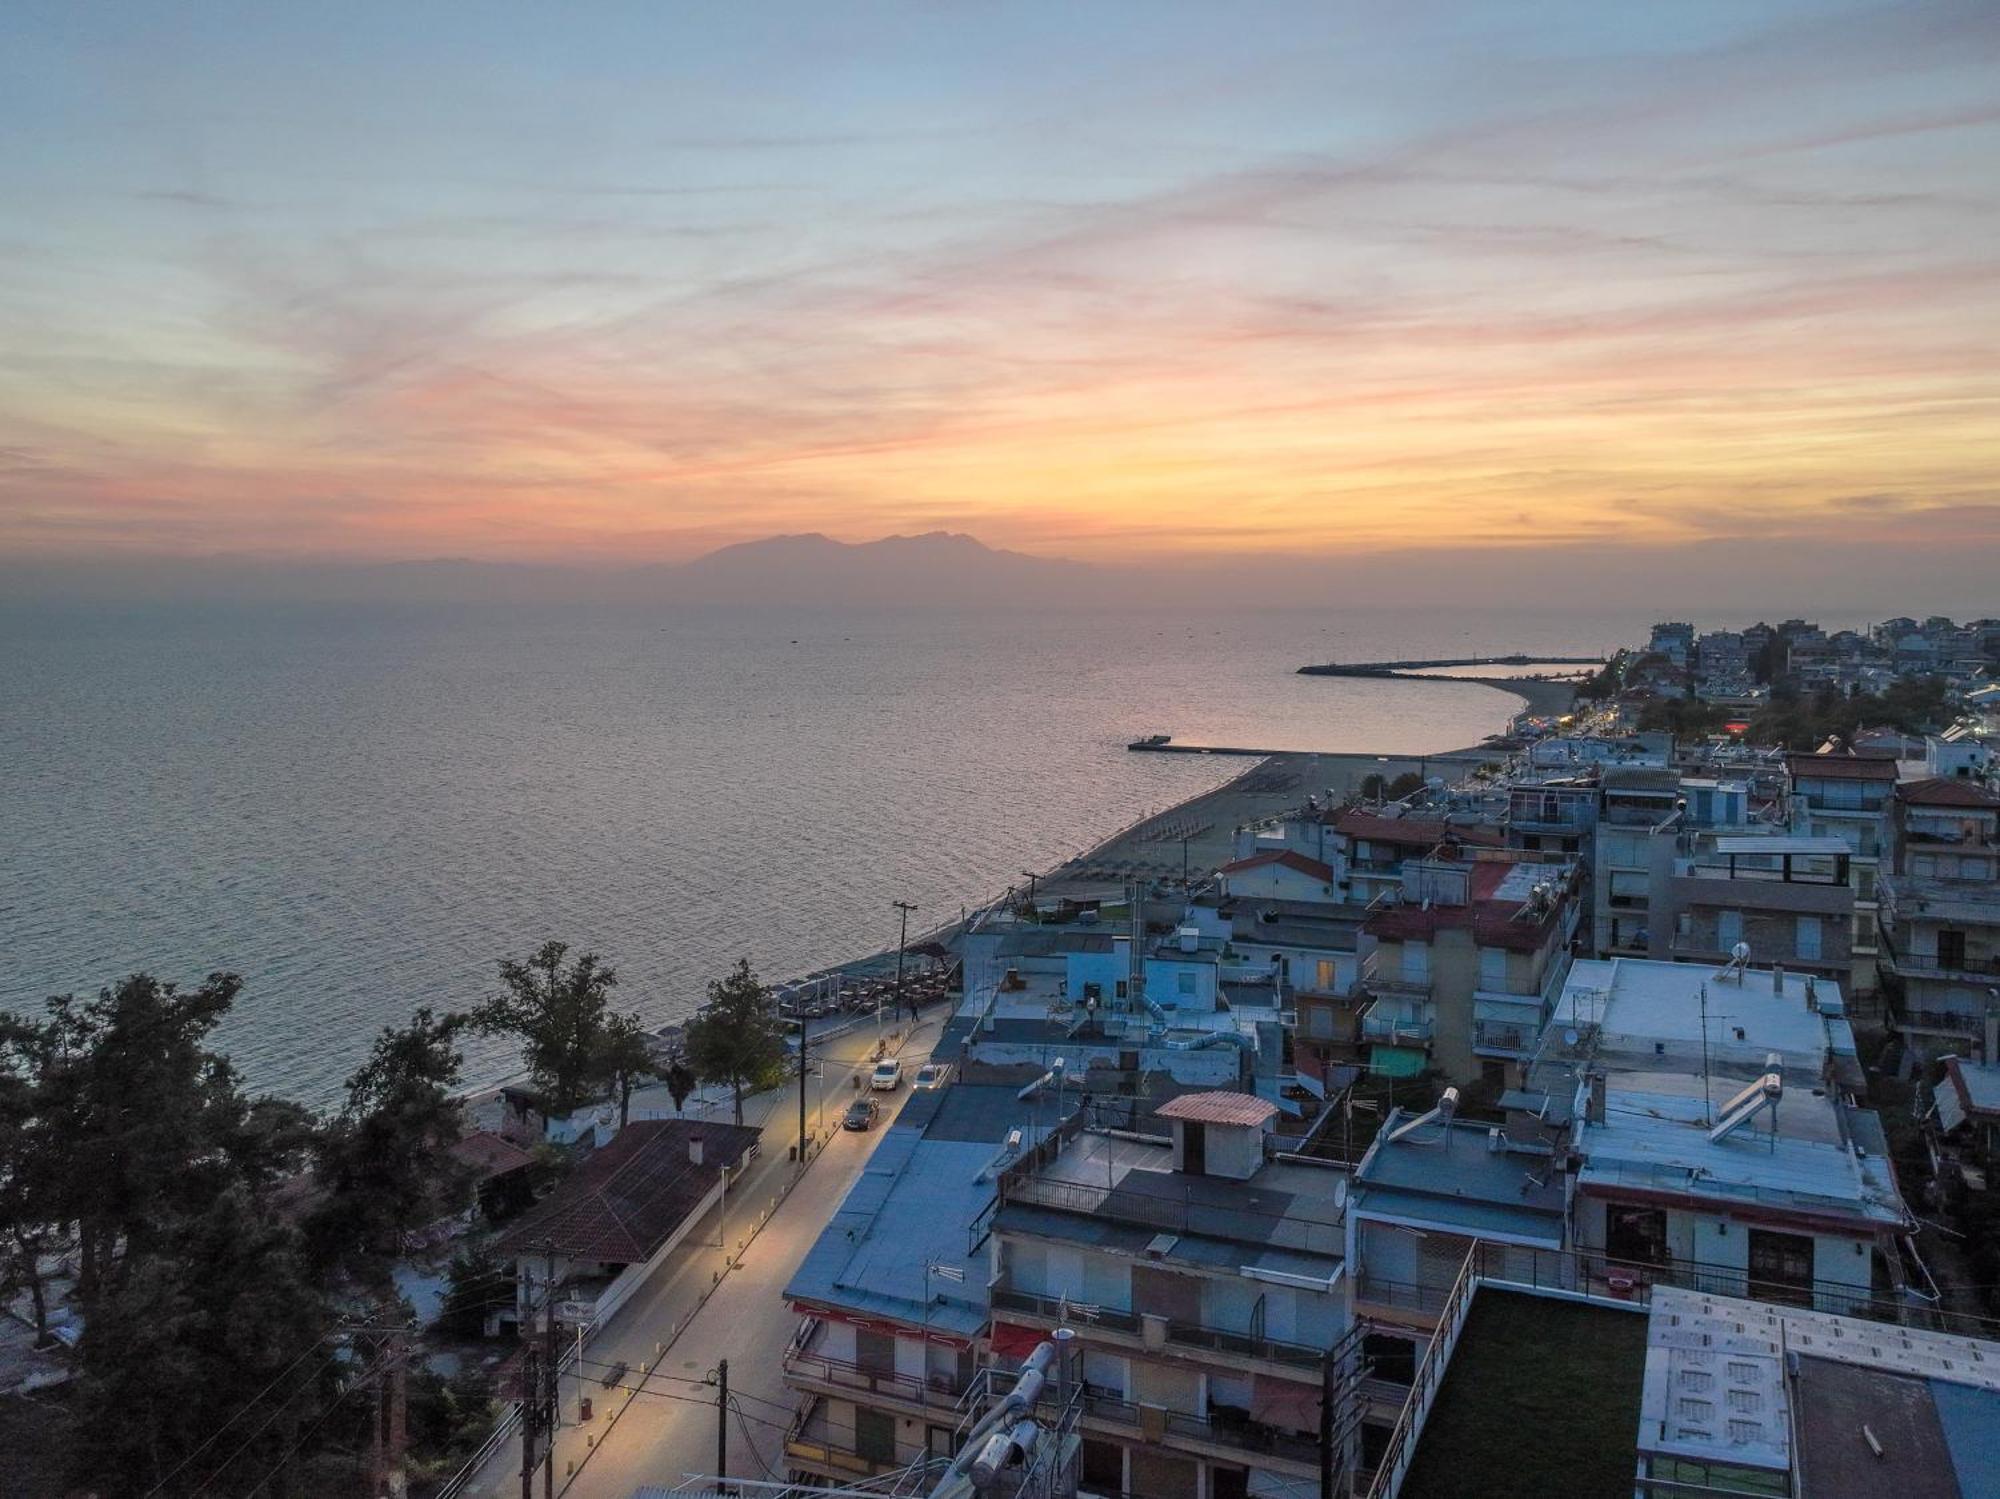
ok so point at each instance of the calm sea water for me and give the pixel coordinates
(360, 811)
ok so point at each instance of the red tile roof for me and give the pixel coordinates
(1288, 858)
(489, 1155)
(1842, 767)
(1217, 1108)
(1946, 791)
(626, 1200)
(1493, 921)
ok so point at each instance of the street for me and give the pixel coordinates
(654, 1415)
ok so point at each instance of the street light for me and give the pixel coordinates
(903, 908)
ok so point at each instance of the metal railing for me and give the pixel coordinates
(936, 1389)
(1175, 1330)
(1378, 1027)
(1402, 1444)
(1240, 1434)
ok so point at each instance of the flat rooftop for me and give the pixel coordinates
(1718, 1390)
(1448, 1177)
(1541, 1398)
(1628, 1011)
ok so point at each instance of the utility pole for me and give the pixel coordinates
(399, 1416)
(553, 1418)
(904, 908)
(803, 1023)
(1326, 1390)
(722, 1426)
(531, 1389)
(1031, 877)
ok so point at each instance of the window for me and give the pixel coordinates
(1951, 949)
(1636, 1234)
(1493, 967)
(1122, 986)
(1184, 982)
(1781, 1267)
(1319, 1023)
(1416, 960)
(1807, 942)
(1728, 929)
(874, 1435)
(1326, 977)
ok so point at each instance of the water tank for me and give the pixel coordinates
(1190, 938)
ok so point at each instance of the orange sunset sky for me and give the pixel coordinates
(1119, 281)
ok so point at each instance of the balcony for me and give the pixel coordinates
(1223, 1429)
(1144, 1330)
(818, 1442)
(1394, 981)
(809, 1368)
(1497, 1038)
(1939, 1022)
(1969, 967)
(1396, 1029)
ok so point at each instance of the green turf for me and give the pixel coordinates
(1541, 1401)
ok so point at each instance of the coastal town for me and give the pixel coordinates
(1610, 1106)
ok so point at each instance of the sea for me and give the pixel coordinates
(362, 810)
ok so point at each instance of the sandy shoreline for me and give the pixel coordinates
(1207, 822)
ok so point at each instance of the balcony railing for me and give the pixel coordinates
(1930, 965)
(939, 1389)
(1502, 1039)
(834, 1447)
(1182, 1334)
(1952, 1022)
(1217, 1429)
(1396, 1028)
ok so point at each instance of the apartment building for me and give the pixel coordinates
(1463, 962)
(1941, 912)
(1788, 899)
(1679, 1124)
(1202, 1275)
(1848, 797)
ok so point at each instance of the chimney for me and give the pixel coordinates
(1777, 981)
(694, 1148)
(1594, 1108)
(1812, 995)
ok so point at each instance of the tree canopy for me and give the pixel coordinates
(737, 1038)
(560, 1011)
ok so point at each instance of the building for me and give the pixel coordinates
(1203, 1277)
(620, 1213)
(1788, 899)
(892, 1296)
(1941, 911)
(1375, 846)
(1716, 1395)
(1676, 1124)
(1464, 961)
(1848, 797)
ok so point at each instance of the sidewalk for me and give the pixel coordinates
(700, 1308)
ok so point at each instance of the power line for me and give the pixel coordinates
(375, 1366)
(242, 1411)
(277, 1411)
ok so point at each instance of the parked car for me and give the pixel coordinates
(887, 1076)
(931, 1075)
(862, 1114)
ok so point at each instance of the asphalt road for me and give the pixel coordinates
(654, 1420)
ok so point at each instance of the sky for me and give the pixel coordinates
(1114, 281)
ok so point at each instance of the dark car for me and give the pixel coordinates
(862, 1114)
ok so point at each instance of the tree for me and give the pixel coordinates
(680, 1079)
(475, 1283)
(625, 1056)
(736, 1038)
(559, 1011)
(30, 1168)
(385, 1165)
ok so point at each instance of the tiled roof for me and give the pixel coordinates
(624, 1201)
(489, 1155)
(1286, 857)
(1217, 1108)
(1946, 791)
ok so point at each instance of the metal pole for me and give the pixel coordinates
(803, 1022)
(530, 1382)
(550, 1369)
(722, 1426)
(1326, 1388)
(902, 941)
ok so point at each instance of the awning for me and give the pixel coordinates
(1396, 1061)
(1015, 1343)
(1285, 1403)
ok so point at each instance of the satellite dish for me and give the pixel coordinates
(1740, 951)
(1570, 1036)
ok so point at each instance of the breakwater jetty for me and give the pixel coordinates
(1163, 744)
(1396, 668)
